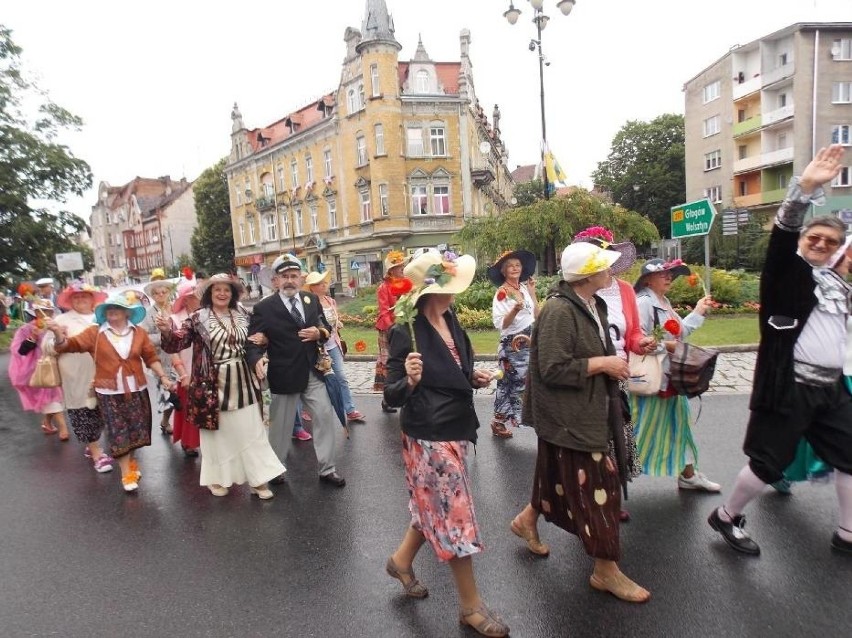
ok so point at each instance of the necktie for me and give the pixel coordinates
(294, 310)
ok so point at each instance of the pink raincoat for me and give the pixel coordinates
(21, 368)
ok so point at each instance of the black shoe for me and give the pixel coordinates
(386, 408)
(733, 533)
(190, 452)
(278, 480)
(334, 478)
(841, 545)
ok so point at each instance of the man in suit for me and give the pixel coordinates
(294, 326)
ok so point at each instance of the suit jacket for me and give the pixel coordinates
(290, 359)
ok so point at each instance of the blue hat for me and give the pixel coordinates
(127, 300)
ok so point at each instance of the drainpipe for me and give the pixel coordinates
(814, 104)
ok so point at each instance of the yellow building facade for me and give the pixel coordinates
(398, 157)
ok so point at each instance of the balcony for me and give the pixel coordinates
(747, 126)
(781, 156)
(773, 76)
(785, 112)
(264, 203)
(482, 176)
(746, 201)
(746, 87)
(435, 222)
(774, 196)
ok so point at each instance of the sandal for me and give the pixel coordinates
(413, 588)
(49, 428)
(490, 625)
(530, 535)
(621, 587)
(499, 430)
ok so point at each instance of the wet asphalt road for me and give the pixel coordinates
(78, 557)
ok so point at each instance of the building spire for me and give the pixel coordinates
(377, 25)
(420, 55)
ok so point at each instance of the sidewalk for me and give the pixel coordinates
(734, 371)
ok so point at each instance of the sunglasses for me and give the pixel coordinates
(814, 240)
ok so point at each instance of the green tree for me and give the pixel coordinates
(645, 169)
(213, 239)
(36, 171)
(527, 193)
(551, 222)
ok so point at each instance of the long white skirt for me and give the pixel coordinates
(239, 451)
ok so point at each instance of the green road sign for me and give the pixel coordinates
(692, 219)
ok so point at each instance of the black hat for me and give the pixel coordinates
(528, 263)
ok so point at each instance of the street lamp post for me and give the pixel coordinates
(540, 20)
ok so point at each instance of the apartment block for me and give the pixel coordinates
(756, 116)
(398, 156)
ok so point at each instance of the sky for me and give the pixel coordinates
(155, 81)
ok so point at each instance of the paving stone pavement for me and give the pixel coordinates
(734, 371)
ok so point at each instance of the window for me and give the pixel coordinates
(314, 220)
(294, 172)
(743, 188)
(375, 90)
(742, 151)
(285, 224)
(712, 160)
(781, 141)
(842, 49)
(282, 185)
(712, 91)
(268, 187)
(840, 134)
(309, 169)
(441, 200)
(414, 142)
(419, 200)
(360, 150)
(326, 162)
(247, 191)
(270, 227)
(366, 207)
(844, 178)
(239, 197)
(422, 85)
(297, 213)
(383, 200)
(361, 100)
(437, 141)
(380, 139)
(782, 59)
(251, 231)
(712, 125)
(841, 92)
(352, 100)
(332, 213)
(714, 194)
(782, 100)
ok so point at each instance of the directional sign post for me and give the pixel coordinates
(693, 220)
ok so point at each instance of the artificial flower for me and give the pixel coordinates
(187, 272)
(25, 290)
(672, 326)
(131, 297)
(396, 257)
(672, 264)
(158, 273)
(595, 232)
(400, 285)
(306, 300)
(501, 294)
(693, 280)
(360, 346)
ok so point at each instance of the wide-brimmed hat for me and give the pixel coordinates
(393, 259)
(35, 307)
(315, 278)
(44, 281)
(603, 238)
(185, 290)
(528, 263)
(676, 267)
(77, 287)
(158, 283)
(434, 273)
(127, 300)
(582, 260)
(224, 278)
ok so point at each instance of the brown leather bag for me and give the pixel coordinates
(691, 369)
(46, 373)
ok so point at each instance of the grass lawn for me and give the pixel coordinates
(716, 331)
(6, 339)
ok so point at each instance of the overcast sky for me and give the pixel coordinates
(155, 81)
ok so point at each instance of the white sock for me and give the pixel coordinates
(746, 487)
(843, 482)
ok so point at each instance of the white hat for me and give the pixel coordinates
(583, 260)
(436, 273)
(45, 281)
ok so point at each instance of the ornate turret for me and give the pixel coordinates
(377, 27)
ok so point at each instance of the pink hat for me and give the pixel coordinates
(186, 289)
(64, 298)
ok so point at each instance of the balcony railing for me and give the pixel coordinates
(746, 87)
(777, 115)
(780, 156)
(264, 203)
(744, 201)
(746, 126)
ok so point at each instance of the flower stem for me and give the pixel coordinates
(413, 340)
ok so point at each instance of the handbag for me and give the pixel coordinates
(691, 369)
(344, 349)
(46, 373)
(646, 373)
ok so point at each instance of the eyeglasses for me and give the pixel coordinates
(814, 240)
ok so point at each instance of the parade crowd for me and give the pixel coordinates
(591, 367)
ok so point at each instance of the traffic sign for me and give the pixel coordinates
(69, 262)
(354, 265)
(692, 219)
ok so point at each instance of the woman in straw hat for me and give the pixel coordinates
(513, 311)
(662, 422)
(434, 386)
(78, 371)
(317, 283)
(573, 369)
(27, 347)
(224, 399)
(184, 431)
(160, 291)
(386, 299)
(120, 348)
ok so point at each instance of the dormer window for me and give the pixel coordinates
(422, 82)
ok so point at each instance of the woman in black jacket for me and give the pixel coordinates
(433, 382)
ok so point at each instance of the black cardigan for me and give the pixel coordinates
(440, 407)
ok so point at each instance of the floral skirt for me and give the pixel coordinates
(183, 431)
(88, 425)
(382, 361)
(663, 434)
(581, 493)
(127, 418)
(510, 388)
(440, 500)
(634, 466)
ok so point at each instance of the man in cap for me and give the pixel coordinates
(295, 328)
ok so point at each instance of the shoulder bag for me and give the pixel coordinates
(646, 373)
(46, 373)
(691, 369)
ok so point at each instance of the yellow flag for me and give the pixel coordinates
(555, 174)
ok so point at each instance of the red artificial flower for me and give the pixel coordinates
(360, 346)
(400, 286)
(187, 272)
(25, 290)
(692, 280)
(5, 320)
(672, 326)
(501, 294)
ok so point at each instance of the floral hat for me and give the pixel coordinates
(676, 267)
(36, 306)
(393, 259)
(160, 282)
(434, 272)
(603, 238)
(528, 263)
(582, 260)
(127, 300)
(75, 287)
(185, 290)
